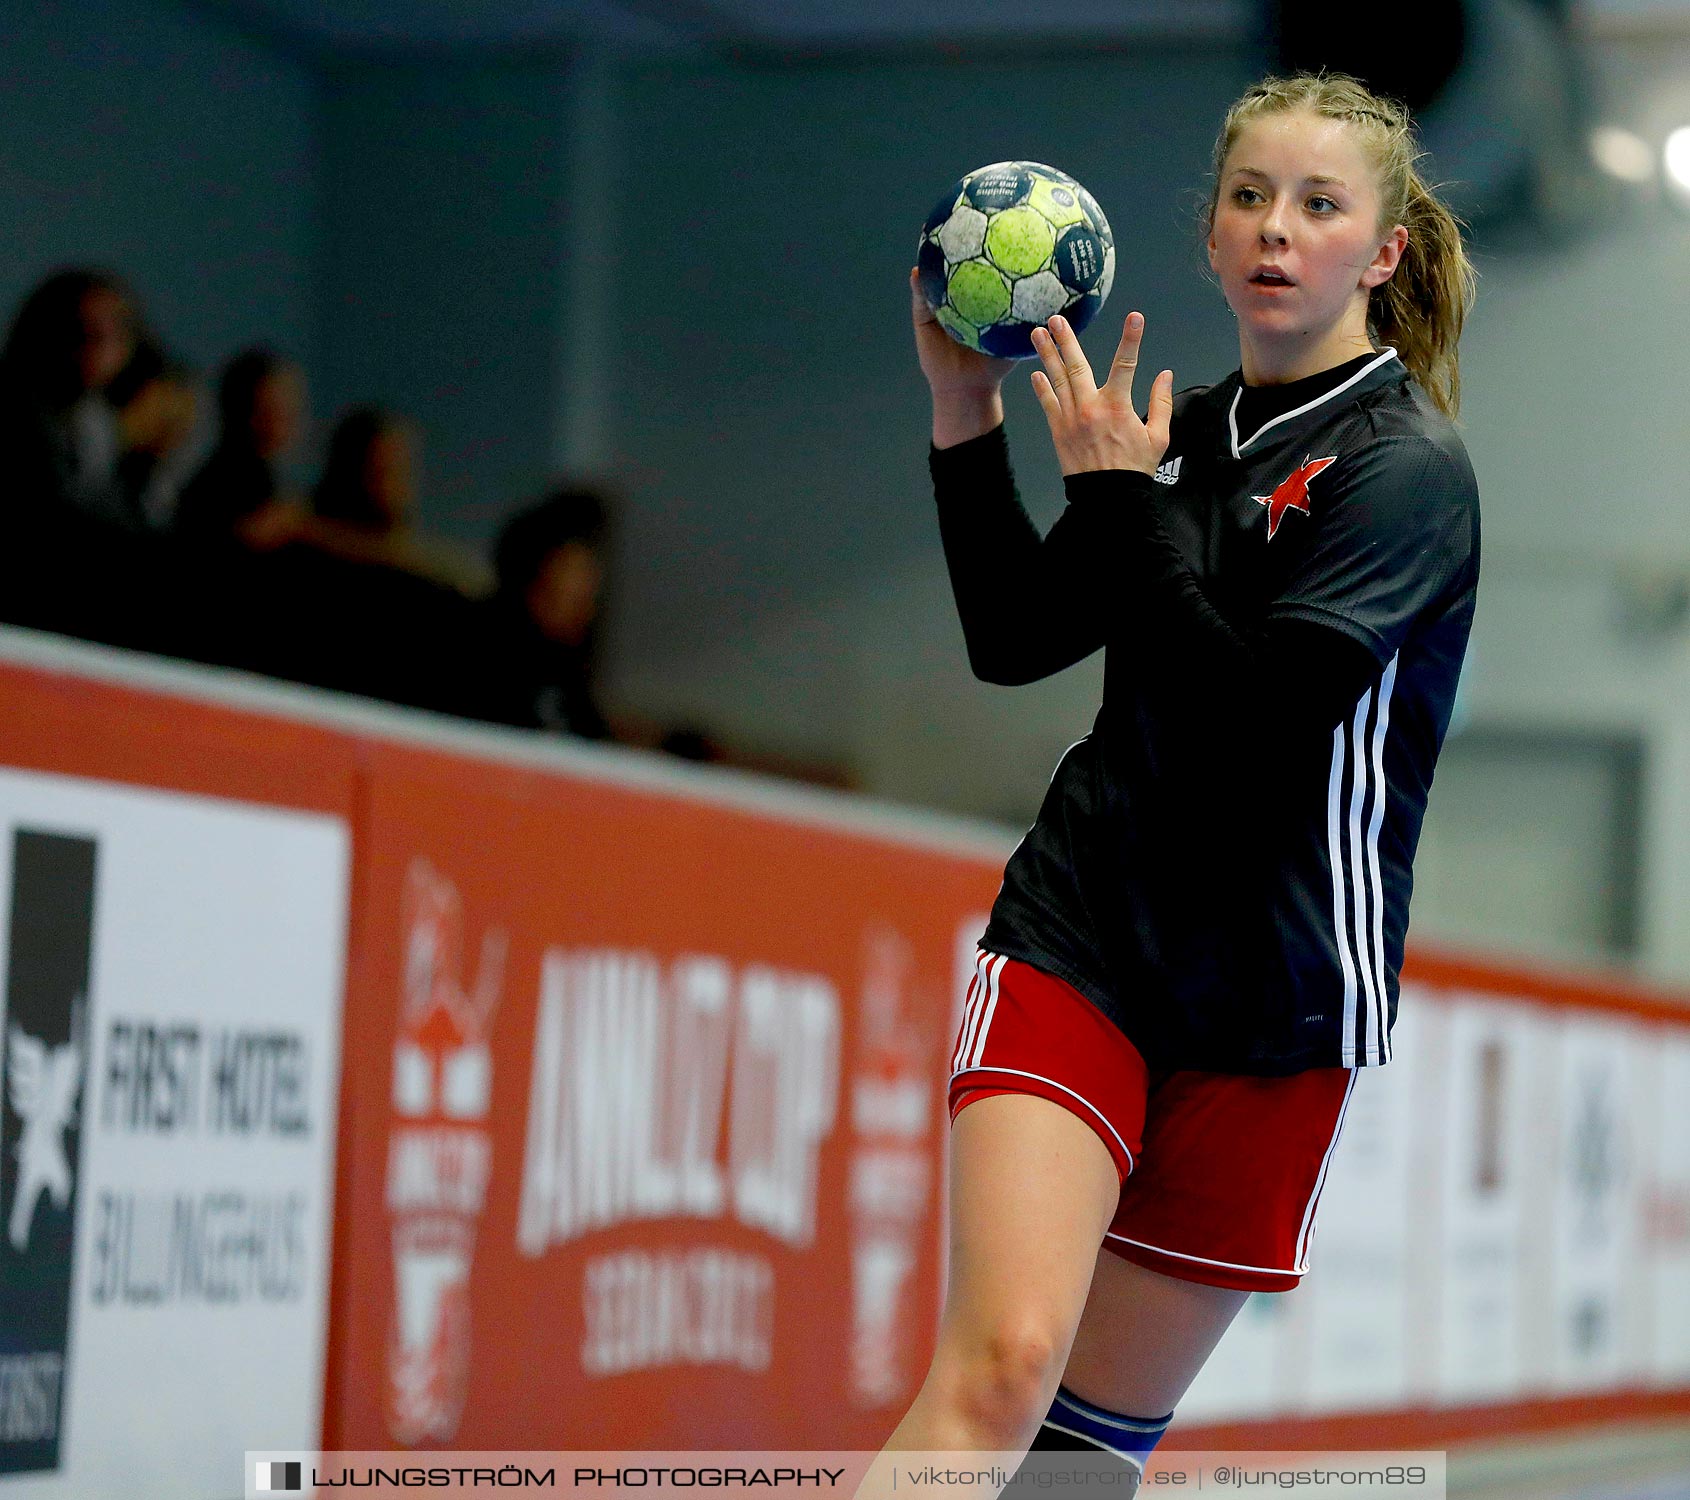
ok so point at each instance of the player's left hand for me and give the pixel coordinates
(1093, 427)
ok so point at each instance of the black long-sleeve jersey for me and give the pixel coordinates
(1223, 864)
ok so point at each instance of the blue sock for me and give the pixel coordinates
(1073, 1425)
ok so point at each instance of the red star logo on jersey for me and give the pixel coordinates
(1292, 493)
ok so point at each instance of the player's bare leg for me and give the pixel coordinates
(1032, 1190)
(1144, 1336)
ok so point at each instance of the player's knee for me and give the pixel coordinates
(1003, 1381)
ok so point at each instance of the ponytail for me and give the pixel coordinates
(1420, 310)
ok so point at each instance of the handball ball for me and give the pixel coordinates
(1010, 246)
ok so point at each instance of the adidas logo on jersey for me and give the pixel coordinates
(1168, 473)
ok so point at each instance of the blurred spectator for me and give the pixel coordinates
(549, 563)
(58, 432)
(157, 405)
(237, 493)
(365, 504)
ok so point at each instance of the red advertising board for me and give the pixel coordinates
(645, 1117)
(109, 731)
(642, 1122)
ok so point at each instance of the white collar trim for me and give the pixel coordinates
(1232, 411)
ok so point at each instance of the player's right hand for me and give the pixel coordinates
(951, 368)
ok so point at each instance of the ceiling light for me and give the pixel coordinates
(1677, 156)
(1622, 153)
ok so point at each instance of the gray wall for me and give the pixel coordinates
(398, 227)
(443, 268)
(170, 148)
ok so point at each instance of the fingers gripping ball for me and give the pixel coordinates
(1008, 247)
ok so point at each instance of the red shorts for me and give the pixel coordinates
(1220, 1172)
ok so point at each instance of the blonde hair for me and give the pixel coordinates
(1420, 310)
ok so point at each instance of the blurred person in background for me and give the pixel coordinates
(59, 435)
(237, 494)
(549, 563)
(157, 405)
(541, 634)
(88, 413)
(364, 505)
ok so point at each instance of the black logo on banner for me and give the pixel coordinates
(46, 1062)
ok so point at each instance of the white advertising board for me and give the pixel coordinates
(1596, 1203)
(173, 980)
(1487, 1138)
(1667, 1210)
(1369, 1248)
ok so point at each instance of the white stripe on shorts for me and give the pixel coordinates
(993, 970)
(981, 992)
(967, 1015)
(1305, 1235)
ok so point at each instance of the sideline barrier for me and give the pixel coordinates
(642, 1114)
(645, 1133)
(174, 878)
